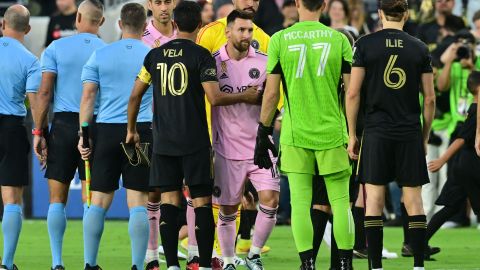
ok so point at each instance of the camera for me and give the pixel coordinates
(464, 51)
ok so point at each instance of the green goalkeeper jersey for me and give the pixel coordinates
(311, 58)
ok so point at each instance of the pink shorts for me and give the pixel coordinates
(230, 178)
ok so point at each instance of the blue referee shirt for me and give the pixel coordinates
(20, 74)
(66, 57)
(114, 69)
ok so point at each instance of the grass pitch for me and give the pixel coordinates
(460, 249)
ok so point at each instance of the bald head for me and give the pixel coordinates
(92, 11)
(17, 18)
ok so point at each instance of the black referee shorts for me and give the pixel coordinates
(168, 172)
(111, 162)
(14, 150)
(63, 157)
(384, 160)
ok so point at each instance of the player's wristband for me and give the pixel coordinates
(37, 132)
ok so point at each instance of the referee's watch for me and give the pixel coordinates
(38, 132)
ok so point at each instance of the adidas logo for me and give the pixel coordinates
(163, 223)
(224, 76)
(197, 228)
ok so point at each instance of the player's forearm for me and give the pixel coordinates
(428, 114)
(32, 100)
(271, 97)
(223, 99)
(443, 80)
(132, 111)
(352, 105)
(87, 106)
(42, 103)
(452, 150)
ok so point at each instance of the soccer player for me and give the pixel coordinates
(233, 129)
(213, 37)
(161, 28)
(111, 86)
(181, 73)
(159, 31)
(19, 78)
(466, 182)
(62, 63)
(310, 58)
(394, 143)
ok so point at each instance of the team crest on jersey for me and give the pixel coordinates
(226, 89)
(216, 191)
(211, 72)
(255, 44)
(157, 43)
(254, 73)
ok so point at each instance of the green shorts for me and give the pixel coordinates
(301, 160)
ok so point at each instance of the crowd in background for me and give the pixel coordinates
(450, 28)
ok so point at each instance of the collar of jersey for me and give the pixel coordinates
(224, 55)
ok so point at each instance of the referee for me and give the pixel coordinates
(394, 142)
(110, 86)
(19, 77)
(62, 63)
(181, 73)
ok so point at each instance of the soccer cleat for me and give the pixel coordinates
(193, 264)
(360, 253)
(58, 267)
(230, 267)
(3, 267)
(134, 267)
(153, 265)
(254, 263)
(96, 267)
(217, 264)
(407, 251)
(239, 261)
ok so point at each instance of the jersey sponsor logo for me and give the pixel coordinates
(210, 72)
(390, 70)
(226, 89)
(224, 76)
(255, 44)
(254, 73)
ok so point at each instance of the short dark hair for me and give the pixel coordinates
(133, 16)
(288, 3)
(394, 9)
(453, 23)
(313, 5)
(476, 16)
(237, 14)
(473, 82)
(188, 16)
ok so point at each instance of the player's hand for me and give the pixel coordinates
(262, 146)
(133, 137)
(252, 95)
(84, 152)
(435, 165)
(353, 148)
(477, 145)
(40, 149)
(450, 53)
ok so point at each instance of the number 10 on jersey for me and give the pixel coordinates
(302, 48)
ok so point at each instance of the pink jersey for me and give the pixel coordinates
(153, 38)
(234, 127)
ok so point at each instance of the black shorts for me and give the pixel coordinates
(14, 150)
(385, 160)
(111, 162)
(168, 172)
(465, 182)
(319, 190)
(63, 157)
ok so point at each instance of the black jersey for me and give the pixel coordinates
(394, 63)
(469, 128)
(177, 69)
